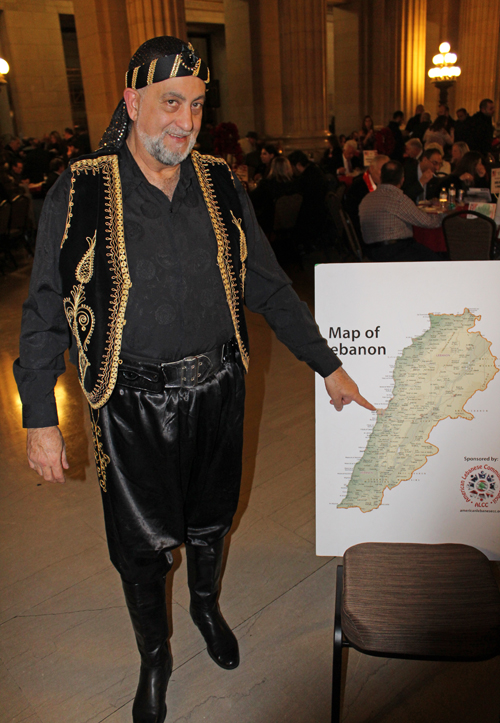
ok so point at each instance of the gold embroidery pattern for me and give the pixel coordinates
(119, 272)
(101, 459)
(194, 71)
(79, 315)
(176, 66)
(223, 254)
(69, 215)
(134, 76)
(197, 68)
(151, 71)
(214, 160)
(243, 250)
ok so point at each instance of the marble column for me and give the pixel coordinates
(150, 18)
(303, 73)
(478, 53)
(412, 30)
(266, 67)
(240, 105)
(392, 56)
(349, 80)
(31, 40)
(104, 48)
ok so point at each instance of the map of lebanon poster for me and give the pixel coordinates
(422, 341)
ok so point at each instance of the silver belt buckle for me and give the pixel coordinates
(192, 372)
(189, 371)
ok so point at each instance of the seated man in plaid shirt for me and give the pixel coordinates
(387, 218)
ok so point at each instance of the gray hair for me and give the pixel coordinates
(436, 147)
(415, 142)
(464, 148)
(379, 161)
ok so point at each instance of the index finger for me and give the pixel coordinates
(364, 402)
(58, 475)
(53, 474)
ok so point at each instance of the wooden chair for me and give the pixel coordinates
(5, 246)
(469, 239)
(20, 226)
(334, 205)
(417, 602)
(352, 236)
(284, 242)
(286, 212)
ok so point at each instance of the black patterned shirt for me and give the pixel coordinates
(177, 304)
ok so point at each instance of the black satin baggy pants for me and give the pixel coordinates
(175, 469)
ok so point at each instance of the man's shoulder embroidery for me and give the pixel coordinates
(106, 163)
(212, 160)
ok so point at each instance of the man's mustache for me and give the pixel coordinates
(179, 134)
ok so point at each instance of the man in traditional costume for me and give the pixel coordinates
(146, 252)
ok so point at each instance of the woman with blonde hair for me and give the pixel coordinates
(281, 170)
(279, 182)
(458, 150)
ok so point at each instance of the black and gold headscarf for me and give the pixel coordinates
(156, 60)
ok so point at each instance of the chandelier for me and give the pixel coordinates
(444, 65)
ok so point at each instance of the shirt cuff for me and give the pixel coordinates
(40, 414)
(325, 362)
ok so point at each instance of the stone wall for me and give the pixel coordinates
(31, 42)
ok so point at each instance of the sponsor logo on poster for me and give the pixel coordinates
(480, 487)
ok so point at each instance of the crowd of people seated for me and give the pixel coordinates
(421, 158)
(416, 160)
(476, 131)
(30, 166)
(284, 176)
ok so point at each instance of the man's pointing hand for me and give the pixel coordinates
(343, 390)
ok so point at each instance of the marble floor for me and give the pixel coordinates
(67, 652)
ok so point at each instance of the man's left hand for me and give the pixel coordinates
(343, 390)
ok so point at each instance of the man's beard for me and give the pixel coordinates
(155, 147)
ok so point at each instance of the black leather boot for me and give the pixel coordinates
(204, 569)
(148, 613)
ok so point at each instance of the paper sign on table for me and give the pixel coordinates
(487, 209)
(369, 157)
(495, 180)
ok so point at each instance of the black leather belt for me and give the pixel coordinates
(185, 373)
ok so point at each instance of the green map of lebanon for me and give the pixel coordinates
(433, 379)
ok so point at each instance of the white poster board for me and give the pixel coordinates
(422, 341)
(369, 157)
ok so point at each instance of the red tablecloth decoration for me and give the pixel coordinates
(346, 179)
(433, 238)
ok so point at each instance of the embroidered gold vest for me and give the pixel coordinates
(94, 268)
